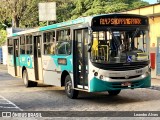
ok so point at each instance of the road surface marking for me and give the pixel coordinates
(8, 103)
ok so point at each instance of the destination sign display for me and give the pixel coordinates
(119, 20)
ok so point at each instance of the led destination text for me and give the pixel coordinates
(120, 21)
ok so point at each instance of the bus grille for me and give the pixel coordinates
(130, 77)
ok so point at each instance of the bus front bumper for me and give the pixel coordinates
(98, 85)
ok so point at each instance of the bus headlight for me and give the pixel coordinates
(96, 74)
(101, 77)
(143, 76)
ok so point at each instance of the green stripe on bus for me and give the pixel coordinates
(68, 23)
(14, 34)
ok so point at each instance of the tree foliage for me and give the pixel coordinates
(3, 35)
(24, 13)
(104, 6)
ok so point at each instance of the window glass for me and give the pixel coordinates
(22, 40)
(63, 35)
(22, 45)
(49, 43)
(63, 44)
(10, 42)
(10, 50)
(119, 46)
(29, 49)
(22, 49)
(63, 47)
(49, 48)
(29, 39)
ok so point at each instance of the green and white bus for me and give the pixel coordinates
(108, 52)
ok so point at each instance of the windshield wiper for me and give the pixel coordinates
(137, 30)
(114, 38)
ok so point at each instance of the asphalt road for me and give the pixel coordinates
(14, 96)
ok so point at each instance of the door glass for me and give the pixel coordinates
(39, 46)
(85, 39)
(82, 57)
(80, 62)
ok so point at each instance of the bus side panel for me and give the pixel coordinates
(20, 69)
(27, 62)
(11, 69)
(50, 74)
(53, 66)
(31, 75)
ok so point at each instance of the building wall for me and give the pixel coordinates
(154, 34)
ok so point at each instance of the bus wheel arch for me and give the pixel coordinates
(23, 68)
(26, 81)
(63, 76)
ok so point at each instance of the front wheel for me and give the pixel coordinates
(71, 93)
(27, 82)
(114, 92)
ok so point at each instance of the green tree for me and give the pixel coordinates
(24, 13)
(3, 36)
(13, 9)
(97, 7)
(64, 9)
(80, 7)
(139, 4)
(92, 7)
(30, 15)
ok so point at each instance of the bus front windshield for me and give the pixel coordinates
(119, 46)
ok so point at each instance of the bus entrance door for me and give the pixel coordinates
(81, 58)
(37, 58)
(16, 57)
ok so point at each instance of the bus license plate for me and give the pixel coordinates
(126, 84)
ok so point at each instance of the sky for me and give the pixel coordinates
(151, 1)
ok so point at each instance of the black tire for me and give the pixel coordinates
(114, 92)
(27, 82)
(71, 93)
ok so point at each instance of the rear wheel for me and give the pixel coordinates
(71, 93)
(27, 82)
(114, 92)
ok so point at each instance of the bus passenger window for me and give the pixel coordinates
(22, 45)
(10, 46)
(22, 49)
(63, 44)
(63, 48)
(29, 49)
(10, 50)
(49, 43)
(63, 35)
